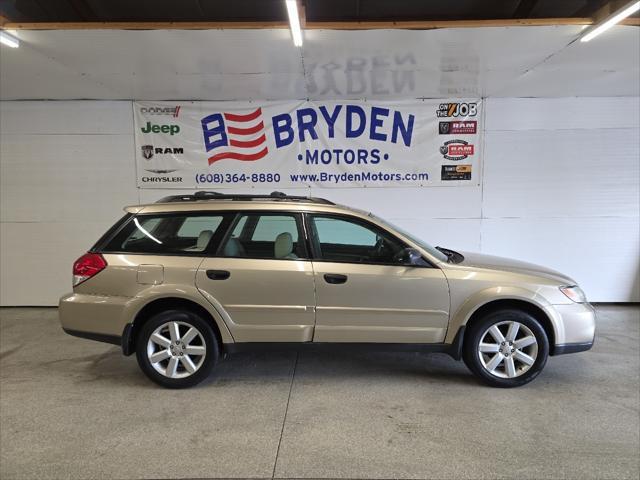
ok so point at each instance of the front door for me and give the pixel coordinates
(261, 279)
(364, 292)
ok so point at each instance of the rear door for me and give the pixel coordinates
(365, 293)
(261, 278)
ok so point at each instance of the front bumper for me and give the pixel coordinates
(572, 348)
(575, 329)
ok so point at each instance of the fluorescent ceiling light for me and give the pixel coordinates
(294, 22)
(611, 20)
(9, 40)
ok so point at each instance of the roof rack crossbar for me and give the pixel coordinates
(208, 195)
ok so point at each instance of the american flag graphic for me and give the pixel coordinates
(235, 136)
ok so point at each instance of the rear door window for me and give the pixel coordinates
(186, 234)
(275, 236)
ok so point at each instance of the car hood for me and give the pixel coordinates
(479, 260)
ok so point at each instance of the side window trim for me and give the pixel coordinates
(112, 232)
(314, 239)
(309, 236)
(218, 236)
(235, 217)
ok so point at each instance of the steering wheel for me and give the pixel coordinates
(399, 257)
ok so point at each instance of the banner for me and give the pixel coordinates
(303, 143)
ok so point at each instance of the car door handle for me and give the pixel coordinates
(335, 278)
(218, 274)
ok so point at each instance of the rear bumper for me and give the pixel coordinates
(101, 315)
(125, 341)
(98, 337)
(98, 318)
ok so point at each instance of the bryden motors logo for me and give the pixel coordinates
(234, 136)
(149, 150)
(243, 137)
(456, 150)
(457, 110)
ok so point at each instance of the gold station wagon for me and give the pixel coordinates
(190, 278)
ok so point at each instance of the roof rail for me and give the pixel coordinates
(274, 196)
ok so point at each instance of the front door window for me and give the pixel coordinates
(339, 239)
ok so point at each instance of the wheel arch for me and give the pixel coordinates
(156, 305)
(493, 299)
(516, 304)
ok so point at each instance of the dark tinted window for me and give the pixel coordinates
(265, 235)
(187, 234)
(339, 239)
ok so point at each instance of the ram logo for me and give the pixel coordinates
(147, 151)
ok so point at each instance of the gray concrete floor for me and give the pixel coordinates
(73, 408)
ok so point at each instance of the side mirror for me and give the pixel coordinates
(411, 256)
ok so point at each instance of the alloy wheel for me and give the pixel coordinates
(508, 349)
(176, 349)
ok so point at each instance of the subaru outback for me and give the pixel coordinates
(192, 278)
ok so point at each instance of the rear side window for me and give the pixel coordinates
(269, 227)
(186, 234)
(192, 226)
(269, 236)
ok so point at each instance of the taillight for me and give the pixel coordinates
(87, 266)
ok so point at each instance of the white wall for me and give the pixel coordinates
(561, 188)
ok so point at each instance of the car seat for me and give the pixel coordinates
(283, 246)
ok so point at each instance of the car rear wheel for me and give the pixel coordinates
(506, 348)
(177, 348)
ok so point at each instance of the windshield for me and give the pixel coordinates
(432, 250)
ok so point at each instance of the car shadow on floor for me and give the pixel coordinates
(268, 367)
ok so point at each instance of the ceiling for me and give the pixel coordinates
(332, 64)
(274, 10)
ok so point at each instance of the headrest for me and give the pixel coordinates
(233, 248)
(283, 246)
(203, 239)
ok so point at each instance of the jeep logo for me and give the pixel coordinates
(153, 128)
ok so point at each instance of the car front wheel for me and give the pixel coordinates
(506, 348)
(177, 348)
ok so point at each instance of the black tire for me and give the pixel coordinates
(472, 357)
(185, 318)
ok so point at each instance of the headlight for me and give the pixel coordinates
(574, 293)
